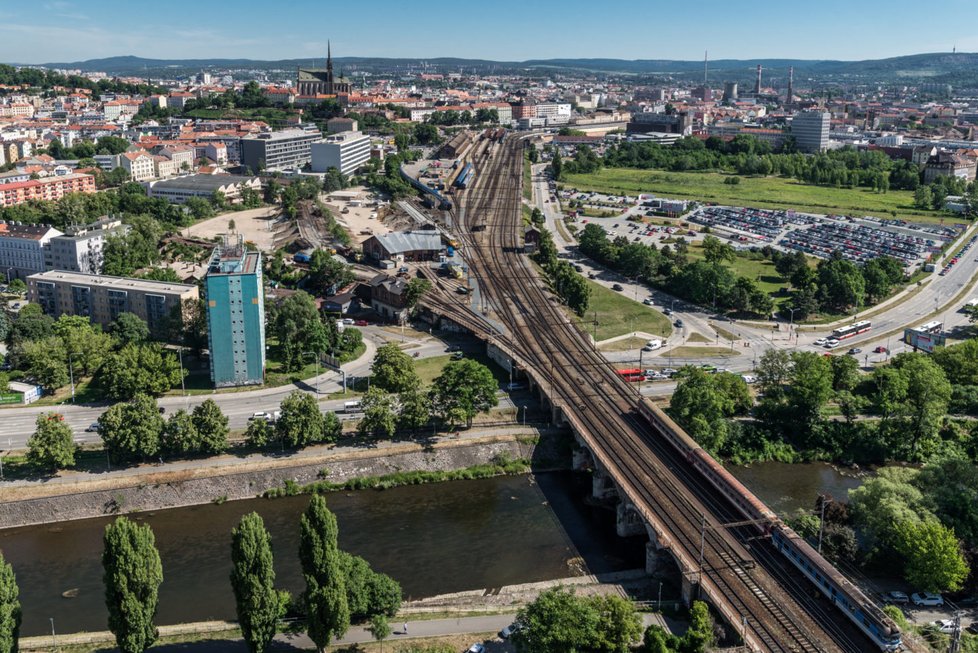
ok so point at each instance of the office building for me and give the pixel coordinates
(235, 316)
(80, 248)
(278, 150)
(102, 299)
(345, 151)
(811, 131)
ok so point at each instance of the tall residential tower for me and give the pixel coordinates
(235, 315)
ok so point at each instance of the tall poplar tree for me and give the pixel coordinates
(328, 613)
(132, 576)
(253, 581)
(9, 608)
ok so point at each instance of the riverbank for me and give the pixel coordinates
(73, 495)
(460, 612)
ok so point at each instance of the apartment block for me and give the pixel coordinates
(345, 151)
(102, 299)
(49, 188)
(278, 150)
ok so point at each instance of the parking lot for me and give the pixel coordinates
(857, 239)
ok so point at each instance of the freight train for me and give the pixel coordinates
(859, 608)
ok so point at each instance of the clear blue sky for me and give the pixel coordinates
(72, 30)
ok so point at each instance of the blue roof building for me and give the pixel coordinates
(235, 316)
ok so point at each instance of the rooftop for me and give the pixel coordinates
(201, 182)
(121, 283)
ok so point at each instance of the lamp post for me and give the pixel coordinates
(791, 322)
(183, 374)
(71, 376)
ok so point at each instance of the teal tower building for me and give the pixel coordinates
(235, 315)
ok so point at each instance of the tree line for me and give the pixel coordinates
(923, 521)
(340, 589)
(570, 286)
(397, 398)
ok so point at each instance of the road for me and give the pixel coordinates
(17, 424)
(938, 295)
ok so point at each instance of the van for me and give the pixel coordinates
(653, 344)
(351, 406)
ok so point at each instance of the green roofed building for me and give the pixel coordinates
(235, 316)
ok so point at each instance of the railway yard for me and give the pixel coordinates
(757, 590)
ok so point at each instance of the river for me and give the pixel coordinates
(788, 488)
(434, 539)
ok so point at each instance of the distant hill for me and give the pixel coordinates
(936, 67)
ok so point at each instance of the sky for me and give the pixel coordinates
(508, 30)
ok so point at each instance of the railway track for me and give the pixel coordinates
(777, 605)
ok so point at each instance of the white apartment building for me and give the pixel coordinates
(139, 165)
(22, 248)
(216, 152)
(278, 150)
(554, 113)
(346, 152)
(80, 249)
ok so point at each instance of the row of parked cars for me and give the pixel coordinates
(857, 242)
(954, 261)
(765, 224)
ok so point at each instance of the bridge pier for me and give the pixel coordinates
(601, 486)
(628, 523)
(690, 587)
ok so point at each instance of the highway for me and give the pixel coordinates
(782, 615)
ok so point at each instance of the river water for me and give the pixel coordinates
(787, 488)
(433, 539)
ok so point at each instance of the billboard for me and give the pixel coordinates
(923, 341)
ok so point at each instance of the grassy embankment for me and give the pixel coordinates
(761, 192)
(618, 315)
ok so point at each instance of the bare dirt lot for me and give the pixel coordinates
(358, 220)
(253, 224)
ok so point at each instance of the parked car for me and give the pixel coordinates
(92, 428)
(926, 599)
(506, 632)
(617, 287)
(667, 311)
(476, 648)
(348, 321)
(361, 323)
(945, 626)
(748, 379)
(592, 275)
(648, 301)
(457, 356)
(895, 596)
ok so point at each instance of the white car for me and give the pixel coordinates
(821, 341)
(831, 344)
(926, 599)
(945, 626)
(476, 648)
(648, 301)
(748, 379)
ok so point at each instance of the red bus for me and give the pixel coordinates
(633, 375)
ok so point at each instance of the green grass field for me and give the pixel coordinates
(763, 192)
(429, 368)
(618, 315)
(762, 271)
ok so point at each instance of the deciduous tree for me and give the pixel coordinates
(132, 577)
(393, 370)
(327, 611)
(463, 389)
(10, 612)
(211, 426)
(51, 446)
(259, 604)
(302, 423)
(379, 416)
(131, 430)
(935, 562)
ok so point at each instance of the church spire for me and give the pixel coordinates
(329, 57)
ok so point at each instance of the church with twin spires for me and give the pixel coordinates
(319, 81)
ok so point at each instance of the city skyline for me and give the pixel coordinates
(67, 31)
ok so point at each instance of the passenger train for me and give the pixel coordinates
(859, 608)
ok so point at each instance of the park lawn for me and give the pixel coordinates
(429, 368)
(761, 192)
(625, 344)
(618, 315)
(760, 270)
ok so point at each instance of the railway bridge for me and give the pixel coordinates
(656, 491)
